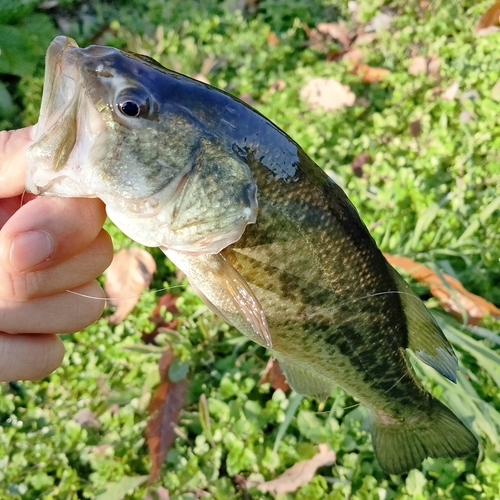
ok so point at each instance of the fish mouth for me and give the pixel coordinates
(56, 132)
(66, 127)
(59, 83)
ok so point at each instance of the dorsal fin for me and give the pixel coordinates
(425, 338)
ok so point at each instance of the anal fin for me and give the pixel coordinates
(305, 383)
(425, 338)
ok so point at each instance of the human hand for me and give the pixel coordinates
(47, 246)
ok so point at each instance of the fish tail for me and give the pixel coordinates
(400, 447)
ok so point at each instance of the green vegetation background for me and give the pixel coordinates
(434, 197)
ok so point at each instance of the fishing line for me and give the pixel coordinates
(125, 298)
(388, 292)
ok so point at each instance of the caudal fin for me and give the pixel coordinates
(402, 447)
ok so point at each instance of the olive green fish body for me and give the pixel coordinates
(267, 240)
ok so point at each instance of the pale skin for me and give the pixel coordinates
(47, 246)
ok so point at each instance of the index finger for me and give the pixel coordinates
(13, 146)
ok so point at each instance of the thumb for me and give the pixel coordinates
(13, 146)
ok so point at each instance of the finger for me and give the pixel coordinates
(61, 313)
(29, 357)
(71, 273)
(13, 146)
(48, 231)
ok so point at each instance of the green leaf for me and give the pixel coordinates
(293, 404)
(415, 482)
(23, 46)
(178, 370)
(480, 219)
(117, 490)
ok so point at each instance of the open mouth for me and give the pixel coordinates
(59, 86)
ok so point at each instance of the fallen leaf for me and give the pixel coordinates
(336, 31)
(429, 65)
(359, 162)
(128, 275)
(300, 473)
(100, 450)
(247, 98)
(165, 303)
(433, 66)
(277, 86)
(452, 295)
(451, 92)
(327, 94)
(272, 39)
(369, 74)
(415, 128)
(201, 78)
(354, 55)
(87, 418)
(490, 18)
(273, 375)
(381, 21)
(160, 493)
(418, 65)
(165, 410)
(465, 116)
(495, 91)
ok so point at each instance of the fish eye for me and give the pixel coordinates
(133, 103)
(129, 108)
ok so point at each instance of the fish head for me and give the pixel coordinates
(112, 126)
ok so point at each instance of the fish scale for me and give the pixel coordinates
(265, 237)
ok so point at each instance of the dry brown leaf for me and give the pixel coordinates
(418, 65)
(167, 301)
(453, 297)
(369, 74)
(273, 375)
(299, 474)
(201, 78)
(490, 18)
(359, 162)
(128, 275)
(87, 418)
(247, 98)
(495, 91)
(277, 86)
(354, 55)
(433, 66)
(327, 94)
(165, 410)
(451, 92)
(272, 39)
(429, 65)
(415, 128)
(336, 31)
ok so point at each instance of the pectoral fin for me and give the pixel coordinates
(425, 338)
(225, 291)
(306, 383)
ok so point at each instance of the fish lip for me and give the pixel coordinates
(59, 85)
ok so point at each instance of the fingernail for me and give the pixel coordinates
(30, 249)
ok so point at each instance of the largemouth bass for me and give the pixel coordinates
(265, 237)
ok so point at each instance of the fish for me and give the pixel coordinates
(268, 241)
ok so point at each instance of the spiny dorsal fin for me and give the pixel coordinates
(425, 338)
(306, 383)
